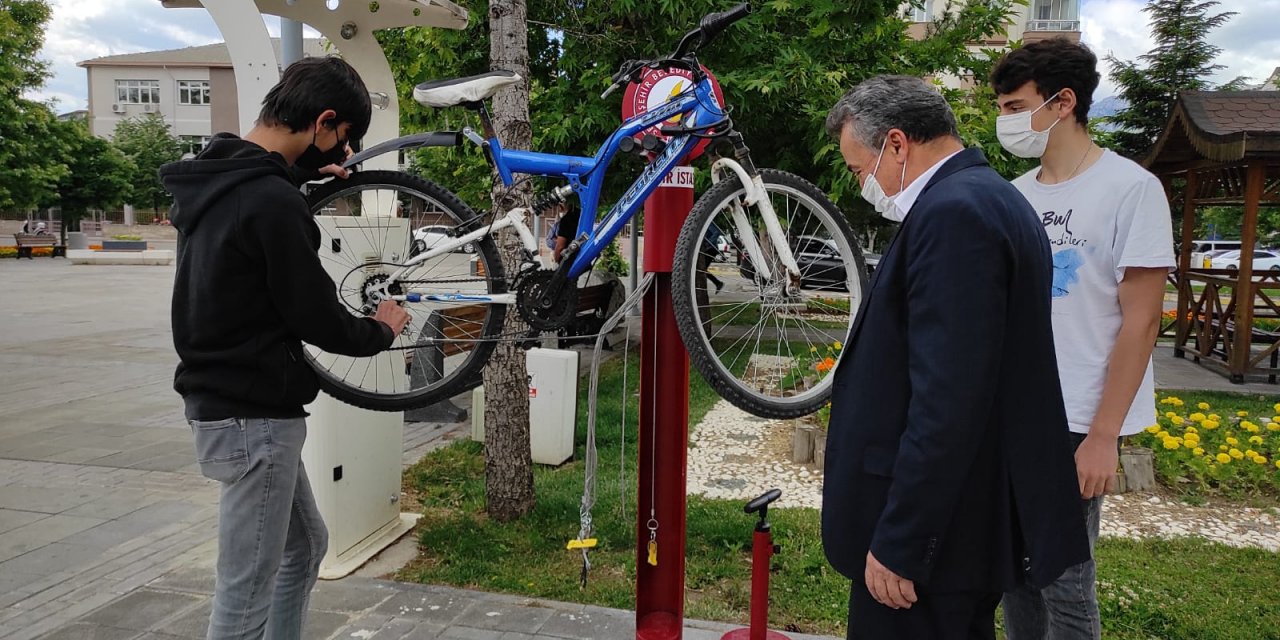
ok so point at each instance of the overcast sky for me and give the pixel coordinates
(82, 30)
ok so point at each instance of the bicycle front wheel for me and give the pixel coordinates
(374, 223)
(767, 343)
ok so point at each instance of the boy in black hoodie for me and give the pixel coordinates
(249, 290)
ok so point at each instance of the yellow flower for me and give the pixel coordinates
(1278, 464)
(1197, 417)
(1277, 406)
(813, 349)
(1222, 447)
(1215, 417)
(1223, 458)
(1177, 402)
(1198, 451)
(1250, 453)
(1171, 443)
(1236, 453)
(1191, 440)
(1203, 406)
(1259, 460)
(1162, 434)
(1242, 414)
(1192, 430)
(1177, 420)
(1253, 428)
(1275, 418)
(1155, 428)
(1169, 414)
(1255, 440)
(1232, 441)
(838, 345)
(1209, 424)
(1273, 426)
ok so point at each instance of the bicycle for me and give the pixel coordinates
(765, 343)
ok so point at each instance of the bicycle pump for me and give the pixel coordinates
(762, 551)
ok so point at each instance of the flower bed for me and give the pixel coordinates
(1231, 449)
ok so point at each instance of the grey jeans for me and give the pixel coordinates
(270, 535)
(1067, 609)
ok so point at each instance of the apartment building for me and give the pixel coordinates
(194, 89)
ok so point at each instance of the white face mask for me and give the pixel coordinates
(873, 193)
(1016, 135)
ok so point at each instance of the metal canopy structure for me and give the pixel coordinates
(1224, 147)
(348, 25)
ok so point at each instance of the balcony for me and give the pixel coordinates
(1053, 25)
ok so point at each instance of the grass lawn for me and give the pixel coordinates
(1180, 589)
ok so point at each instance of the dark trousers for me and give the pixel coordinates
(935, 616)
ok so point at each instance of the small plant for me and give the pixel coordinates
(611, 261)
(1231, 450)
(127, 238)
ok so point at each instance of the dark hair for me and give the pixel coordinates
(882, 103)
(1053, 64)
(312, 85)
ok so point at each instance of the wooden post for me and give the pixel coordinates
(1137, 466)
(1240, 352)
(1184, 262)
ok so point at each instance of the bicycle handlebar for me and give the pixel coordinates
(708, 28)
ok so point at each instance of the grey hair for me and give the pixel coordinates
(882, 103)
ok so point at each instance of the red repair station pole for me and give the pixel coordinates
(663, 440)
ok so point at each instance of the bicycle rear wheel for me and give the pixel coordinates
(763, 344)
(371, 225)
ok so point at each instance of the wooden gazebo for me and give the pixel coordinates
(1222, 148)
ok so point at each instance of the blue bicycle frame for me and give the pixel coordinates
(698, 108)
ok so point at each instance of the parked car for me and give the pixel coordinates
(429, 236)
(1262, 260)
(1201, 248)
(820, 264)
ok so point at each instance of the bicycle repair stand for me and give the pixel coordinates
(663, 436)
(762, 551)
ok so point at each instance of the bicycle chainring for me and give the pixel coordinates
(529, 291)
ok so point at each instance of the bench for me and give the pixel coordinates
(1258, 336)
(28, 241)
(589, 317)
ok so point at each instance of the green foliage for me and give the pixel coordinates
(30, 154)
(1182, 60)
(781, 69)
(611, 261)
(148, 142)
(98, 175)
(1226, 222)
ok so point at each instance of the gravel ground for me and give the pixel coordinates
(737, 456)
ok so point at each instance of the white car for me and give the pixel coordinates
(1263, 260)
(429, 236)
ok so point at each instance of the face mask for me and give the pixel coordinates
(873, 193)
(313, 159)
(1017, 136)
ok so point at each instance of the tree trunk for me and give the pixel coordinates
(508, 466)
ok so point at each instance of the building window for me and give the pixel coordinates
(921, 13)
(193, 144)
(138, 91)
(193, 92)
(1055, 15)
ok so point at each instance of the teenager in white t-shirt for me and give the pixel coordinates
(1111, 236)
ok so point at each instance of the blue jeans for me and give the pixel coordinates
(1067, 609)
(270, 535)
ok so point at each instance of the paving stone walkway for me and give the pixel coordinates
(106, 525)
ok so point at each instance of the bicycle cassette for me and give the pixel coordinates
(550, 317)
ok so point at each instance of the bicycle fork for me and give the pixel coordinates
(758, 197)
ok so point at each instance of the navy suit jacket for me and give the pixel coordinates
(948, 454)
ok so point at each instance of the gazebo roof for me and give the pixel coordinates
(1218, 126)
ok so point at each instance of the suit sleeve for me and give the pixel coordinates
(301, 290)
(957, 294)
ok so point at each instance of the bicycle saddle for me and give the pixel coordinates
(456, 91)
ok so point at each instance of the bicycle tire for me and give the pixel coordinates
(691, 321)
(467, 375)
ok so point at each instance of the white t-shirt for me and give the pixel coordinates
(1112, 216)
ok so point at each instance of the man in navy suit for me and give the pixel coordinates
(949, 475)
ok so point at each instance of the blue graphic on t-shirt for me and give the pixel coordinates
(1065, 265)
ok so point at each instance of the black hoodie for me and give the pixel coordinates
(250, 288)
